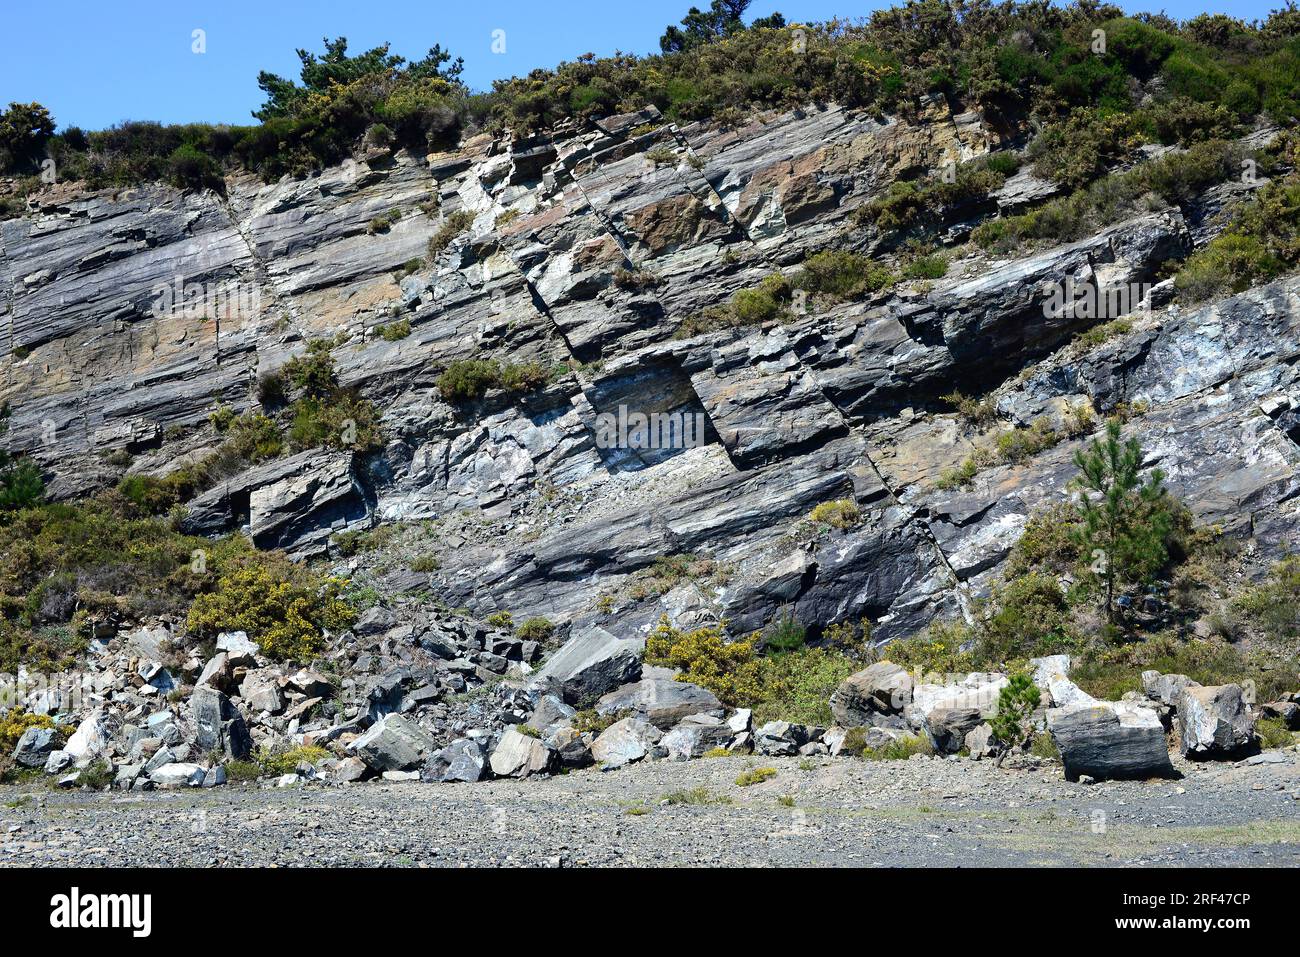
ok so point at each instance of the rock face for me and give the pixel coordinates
(585, 255)
(1109, 740)
(1214, 722)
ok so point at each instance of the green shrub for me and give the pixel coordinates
(752, 776)
(1016, 703)
(274, 763)
(704, 657)
(394, 331)
(784, 633)
(1273, 733)
(452, 226)
(926, 267)
(284, 607)
(468, 380)
(841, 275)
(840, 513)
(901, 749)
(1274, 605)
(1228, 264)
(536, 629)
(385, 222)
(502, 620)
(797, 685)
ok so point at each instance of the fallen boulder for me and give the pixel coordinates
(694, 736)
(34, 748)
(661, 701)
(882, 688)
(218, 724)
(518, 755)
(590, 665)
(393, 744)
(624, 742)
(1214, 722)
(1109, 740)
(462, 760)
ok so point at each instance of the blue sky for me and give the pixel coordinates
(94, 63)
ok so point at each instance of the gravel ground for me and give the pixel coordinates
(824, 811)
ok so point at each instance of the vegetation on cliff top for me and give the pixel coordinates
(1011, 60)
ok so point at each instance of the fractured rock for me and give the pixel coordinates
(882, 688)
(663, 702)
(519, 756)
(393, 744)
(462, 760)
(1109, 740)
(625, 741)
(1214, 722)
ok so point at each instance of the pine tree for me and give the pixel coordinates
(1016, 703)
(1126, 522)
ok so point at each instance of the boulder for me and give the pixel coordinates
(178, 775)
(882, 688)
(217, 673)
(1214, 722)
(948, 727)
(238, 647)
(261, 693)
(780, 737)
(574, 747)
(1287, 711)
(981, 742)
(91, 738)
(550, 711)
(662, 702)
(58, 762)
(218, 725)
(462, 760)
(518, 755)
(1109, 740)
(694, 736)
(625, 741)
(978, 691)
(34, 748)
(393, 744)
(590, 665)
(1049, 675)
(346, 770)
(1166, 689)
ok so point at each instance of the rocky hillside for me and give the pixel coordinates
(400, 370)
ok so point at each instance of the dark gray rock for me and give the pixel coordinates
(590, 665)
(1109, 740)
(35, 746)
(462, 760)
(882, 688)
(395, 743)
(218, 725)
(661, 701)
